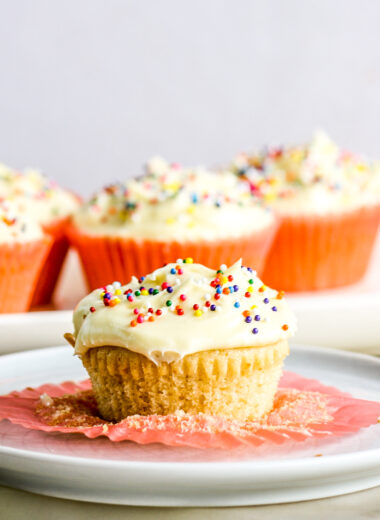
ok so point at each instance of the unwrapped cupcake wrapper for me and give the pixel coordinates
(20, 266)
(53, 264)
(106, 259)
(322, 252)
(304, 410)
(238, 383)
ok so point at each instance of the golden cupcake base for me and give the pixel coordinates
(238, 383)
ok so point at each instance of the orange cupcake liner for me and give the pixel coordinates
(53, 263)
(105, 259)
(20, 266)
(322, 252)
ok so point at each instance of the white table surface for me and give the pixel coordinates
(16, 505)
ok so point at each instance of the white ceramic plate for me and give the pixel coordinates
(346, 319)
(72, 466)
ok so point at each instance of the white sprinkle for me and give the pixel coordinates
(178, 261)
(46, 400)
(223, 267)
(207, 296)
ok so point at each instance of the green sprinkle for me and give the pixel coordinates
(137, 293)
(155, 291)
(250, 281)
(168, 303)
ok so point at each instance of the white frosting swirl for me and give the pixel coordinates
(315, 179)
(15, 227)
(173, 203)
(36, 195)
(232, 309)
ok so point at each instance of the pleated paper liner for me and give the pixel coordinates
(20, 267)
(321, 252)
(106, 259)
(53, 263)
(303, 409)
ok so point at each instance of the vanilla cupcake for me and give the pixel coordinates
(23, 250)
(184, 338)
(50, 205)
(328, 204)
(134, 227)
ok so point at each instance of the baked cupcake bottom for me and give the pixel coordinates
(237, 383)
(20, 266)
(107, 258)
(53, 264)
(322, 252)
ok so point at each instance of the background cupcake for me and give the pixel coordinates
(50, 205)
(328, 203)
(23, 250)
(170, 212)
(185, 338)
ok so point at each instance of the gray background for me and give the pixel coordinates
(90, 89)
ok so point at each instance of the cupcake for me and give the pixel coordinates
(184, 338)
(170, 212)
(50, 205)
(328, 204)
(23, 250)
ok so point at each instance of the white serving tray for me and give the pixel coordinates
(98, 470)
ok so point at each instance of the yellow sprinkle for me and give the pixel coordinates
(102, 294)
(170, 220)
(361, 167)
(189, 260)
(118, 291)
(253, 306)
(190, 209)
(198, 312)
(250, 289)
(116, 300)
(144, 292)
(270, 197)
(173, 186)
(224, 279)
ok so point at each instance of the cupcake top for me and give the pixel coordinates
(36, 195)
(315, 178)
(174, 203)
(15, 227)
(183, 308)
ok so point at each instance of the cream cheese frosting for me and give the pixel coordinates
(318, 178)
(15, 227)
(36, 195)
(183, 308)
(170, 203)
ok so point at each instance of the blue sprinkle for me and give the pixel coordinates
(257, 317)
(249, 269)
(219, 290)
(237, 305)
(170, 289)
(212, 307)
(255, 331)
(266, 300)
(248, 319)
(274, 309)
(236, 288)
(194, 198)
(150, 290)
(107, 296)
(173, 271)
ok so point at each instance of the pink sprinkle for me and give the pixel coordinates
(140, 318)
(136, 311)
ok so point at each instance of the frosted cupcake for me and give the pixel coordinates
(171, 212)
(184, 338)
(50, 205)
(23, 250)
(328, 203)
